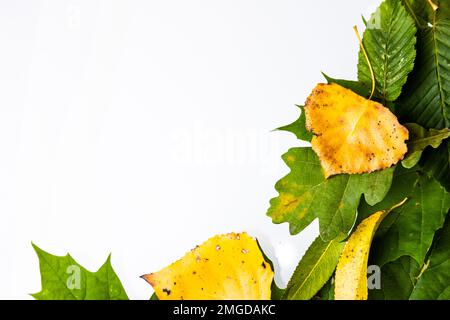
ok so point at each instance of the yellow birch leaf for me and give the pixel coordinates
(225, 267)
(352, 134)
(351, 271)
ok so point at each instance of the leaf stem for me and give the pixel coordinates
(434, 6)
(372, 74)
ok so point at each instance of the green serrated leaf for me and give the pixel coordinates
(389, 41)
(409, 230)
(419, 139)
(355, 86)
(298, 128)
(434, 280)
(64, 279)
(420, 11)
(398, 279)
(305, 194)
(314, 269)
(426, 96)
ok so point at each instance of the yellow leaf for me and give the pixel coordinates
(351, 271)
(352, 134)
(226, 267)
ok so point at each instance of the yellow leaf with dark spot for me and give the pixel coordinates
(226, 267)
(352, 134)
(351, 271)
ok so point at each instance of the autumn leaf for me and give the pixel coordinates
(225, 267)
(351, 271)
(352, 134)
(305, 194)
(64, 279)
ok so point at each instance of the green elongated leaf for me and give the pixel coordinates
(64, 279)
(434, 282)
(314, 269)
(355, 86)
(409, 230)
(426, 96)
(420, 11)
(398, 279)
(389, 41)
(298, 127)
(305, 194)
(436, 163)
(419, 139)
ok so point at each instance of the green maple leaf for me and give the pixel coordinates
(355, 86)
(298, 127)
(389, 41)
(314, 269)
(64, 279)
(426, 98)
(409, 229)
(434, 280)
(419, 140)
(305, 194)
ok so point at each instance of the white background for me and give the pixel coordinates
(142, 128)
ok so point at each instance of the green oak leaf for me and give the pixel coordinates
(305, 194)
(426, 95)
(434, 282)
(419, 139)
(398, 279)
(356, 86)
(436, 163)
(409, 229)
(298, 127)
(314, 269)
(389, 41)
(64, 279)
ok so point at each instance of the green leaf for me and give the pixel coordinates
(154, 297)
(419, 139)
(327, 291)
(420, 11)
(434, 283)
(437, 164)
(64, 279)
(409, 229)
(355, 86)
(398, 279)
(299, 127)
(305, 194)
(314, 269)
(389, 40)
(426, 96)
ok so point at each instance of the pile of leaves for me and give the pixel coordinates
(406, 51)
(377, 178)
